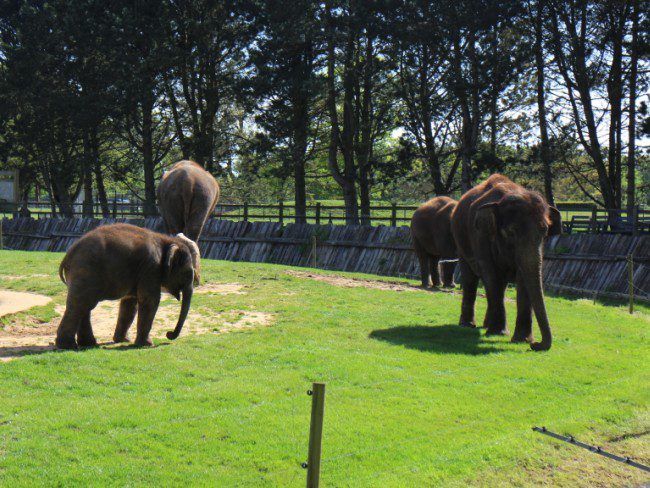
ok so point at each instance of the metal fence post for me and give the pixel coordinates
(630, 284)
(315, 434)
(393, 215)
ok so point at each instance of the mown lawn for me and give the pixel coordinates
(412, 399)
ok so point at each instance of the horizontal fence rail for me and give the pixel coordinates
(584, 264)
(577, 218)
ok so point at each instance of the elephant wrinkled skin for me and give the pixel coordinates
(187, 196)
(433, 241)
(499, 228)
(128, 263)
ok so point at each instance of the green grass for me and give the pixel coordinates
(412, 399)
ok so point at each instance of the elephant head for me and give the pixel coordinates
(516, 227)
(179, 278)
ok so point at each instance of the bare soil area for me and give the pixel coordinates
(28, 336)
(14, 301)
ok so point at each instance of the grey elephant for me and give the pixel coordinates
(499, 228)
(433, 241)
(187, 196)
(127, 263)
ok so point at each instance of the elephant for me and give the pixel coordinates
(187, 196)
(499, 228)
(432, 240)
(129, 263)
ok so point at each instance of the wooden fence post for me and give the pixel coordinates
(2, 244)
(594, 222)
(393, 215)
(281, 212)
(314, 262)
(245, 211)
(635, 220)
(630, 284)
(315, 434)
(317, 213)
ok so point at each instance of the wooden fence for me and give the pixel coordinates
(587, 264)
(577, 217)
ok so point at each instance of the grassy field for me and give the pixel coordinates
(412, 399)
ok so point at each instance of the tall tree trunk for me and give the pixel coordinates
(545, 153)
(300, 104)
(147, 104)
(87, 207)
(365, 133)
(615, 95)
(99, 177)
(631, 148)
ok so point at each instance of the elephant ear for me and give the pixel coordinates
(172, 256)
(486, 219)
(555, 227)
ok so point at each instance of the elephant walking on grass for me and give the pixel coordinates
(187, 196)
(499, 228)
(128, 263)
(433, 241)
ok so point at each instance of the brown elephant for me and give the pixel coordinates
(433, 241)
(187, 196)
(128, 263)
(499, 229)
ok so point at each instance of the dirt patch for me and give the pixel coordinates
(25, 337)
(221, 288)
(362, 283)
(14, 301)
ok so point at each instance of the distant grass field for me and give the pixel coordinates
(412, 399)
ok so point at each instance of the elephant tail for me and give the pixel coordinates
(62, 270)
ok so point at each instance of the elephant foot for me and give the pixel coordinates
(540, 346)
(65, 343)
(87, 343)
(519, 338)
(491, 331)
(143, 342)
(470, 325)
(449, 285)
(120, 338)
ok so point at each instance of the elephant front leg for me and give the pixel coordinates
(85, 336)
(128, 309)
(147, 309)
(524, 327)
(65, 334)
(495, 317)
(469, 281)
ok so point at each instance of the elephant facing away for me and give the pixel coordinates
(433, 241)
(499, 228)
(128, 263)
(187, 196)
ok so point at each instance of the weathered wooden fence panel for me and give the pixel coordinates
(587, 263)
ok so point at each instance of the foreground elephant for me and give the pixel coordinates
(187, 196)
(125, 262)
(433, 240)
(499, 228)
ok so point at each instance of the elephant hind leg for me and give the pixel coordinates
(425, 266)
(128, 309)
(85, 336)
(76, 316)
(469, 282)
(434, 262)
(448, 270)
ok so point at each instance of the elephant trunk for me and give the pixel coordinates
(185, 308)
(531, 268)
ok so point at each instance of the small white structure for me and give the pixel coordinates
(9, 189)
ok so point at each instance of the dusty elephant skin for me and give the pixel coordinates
(499, 228)
(187, 196)
(433, 240)
(128, 263)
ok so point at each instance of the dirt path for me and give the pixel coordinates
(29, 336)
(14, 301)
(362, 283)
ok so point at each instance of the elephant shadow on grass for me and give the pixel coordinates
(439, 339)
(9, 353)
